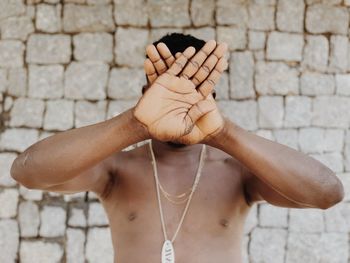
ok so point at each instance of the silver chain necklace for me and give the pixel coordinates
(168, 252)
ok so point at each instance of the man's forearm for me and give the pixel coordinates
(61, 157)
(293, 174)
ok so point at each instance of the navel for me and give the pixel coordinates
(224, 223)
(132, 216)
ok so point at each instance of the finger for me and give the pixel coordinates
(195, 63)
(204, 70)
(154, 56)
(178, 54)
(181, 61)
(208, 85)
(166, 54)
(201, 108)
(150, 70)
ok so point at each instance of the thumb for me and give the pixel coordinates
(200, 109)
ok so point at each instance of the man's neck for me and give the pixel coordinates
(175, 154)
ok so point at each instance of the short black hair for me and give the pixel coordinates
(178, 42)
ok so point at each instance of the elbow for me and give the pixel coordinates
(334, 192)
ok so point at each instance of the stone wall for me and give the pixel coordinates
(67, 64)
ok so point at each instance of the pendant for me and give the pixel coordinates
(168, 253)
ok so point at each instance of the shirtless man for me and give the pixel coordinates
(178, 113)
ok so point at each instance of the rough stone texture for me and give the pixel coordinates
(236, 37)
(284, 46)
(18, 139)
(270, 111)
(202, 16)
(87, 113)
(75, 246)
(93, 47)
(46, 82)
(41, 251)
(312, 84)
(29, 219)
(79, 62)
(328, 111)
(9, 202)
(290, 15)
(11, 53)
(99, 245)
(243, 113)
(128, 50)
(168, 13)
(48, 18)
(86, 80)
(78, 18)
(316, 52)
(6, 160)
(9, 240)
(58, 115)
(241, 75)
(48, 49)
(320, 19)
(297, 111)
(16, 27)
(53, 221)
(124, 9)
(125, 83)
(276, 78)
(339, 50)
(27, 112)
(97, 215)
(267, 245)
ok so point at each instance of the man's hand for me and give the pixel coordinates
(172, 105)
(204, 70)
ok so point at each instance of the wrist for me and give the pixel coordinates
(220, 137)
(139, 129)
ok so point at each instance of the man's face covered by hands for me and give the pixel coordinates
(188, 69)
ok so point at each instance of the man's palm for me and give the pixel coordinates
(171, 107)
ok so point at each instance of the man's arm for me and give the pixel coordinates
(76, 159)
(279, 174)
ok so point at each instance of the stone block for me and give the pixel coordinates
(261, 17)
(48, 49)
(87, 113)
(41, 251)
(48, 18)
(9, 240)
(273, 216)
(320, 19)
(93, 47)
(342, 83)
(242, 113)
(75, 246)
(6, 160)
(125, 83)
(241, 75)
(30, 194)
(86, 80)
(123, 9)
(338, 51)
(128, 50)
(202, 16)
(27, 112)
(12, 8)
(205, 33)
(231, 13)
(169, 13)
(306, 220)
(271, 111)
(298, 111)
(16, 28)
(58, 115)
(77, 218)
(80, 18)
(46, 82)
(11, 53)
(257, 40)
(97, 215)
(29, 219)
(99, 245)
(285, 46)
(18, 139)
(316, 52)
(17, 82)
(288, 137)
(9, 202)
(290, 15)
(115, 107)
(235, 37)
(276, 78)
(313, 84)
(53, 221)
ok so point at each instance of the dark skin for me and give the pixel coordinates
(240, 169)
